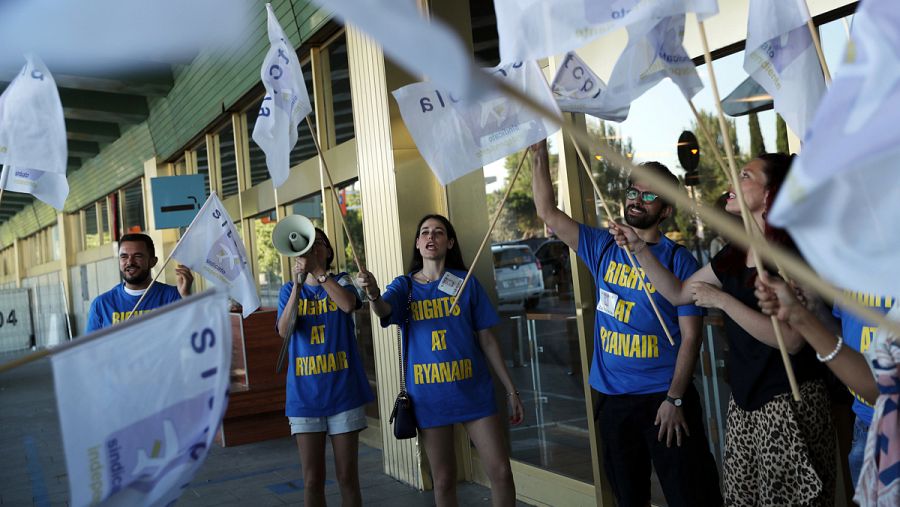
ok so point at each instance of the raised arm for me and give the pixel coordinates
(777, 298)
(666, 283)
(562, 225)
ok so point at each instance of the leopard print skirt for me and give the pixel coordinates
(782, 454)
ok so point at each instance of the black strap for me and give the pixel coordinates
(402, 348)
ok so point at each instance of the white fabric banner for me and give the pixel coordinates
(33, 145)
(578, 90)
(212, 247)
(285, 105)
(457, 136)
(139, 405)
(423, 47)
(841, 199)
(781, 57)
(654, 52)
(534, 29)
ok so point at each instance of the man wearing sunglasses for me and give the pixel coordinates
(646, 408)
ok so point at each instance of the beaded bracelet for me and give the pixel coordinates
(829, 357)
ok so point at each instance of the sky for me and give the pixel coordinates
(659, 116)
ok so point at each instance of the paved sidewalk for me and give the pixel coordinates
(33, 470)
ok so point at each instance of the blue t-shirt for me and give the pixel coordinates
(326, 375)
(858, 335)
(446, 372)
(113, 306)
(631, 352)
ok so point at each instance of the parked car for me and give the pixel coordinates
(518, 275)
(553, 257)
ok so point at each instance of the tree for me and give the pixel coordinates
(519, 217)
(781, 135)
(611, 179)
(757, 145)
(267, 258)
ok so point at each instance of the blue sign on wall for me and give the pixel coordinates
(177, 199)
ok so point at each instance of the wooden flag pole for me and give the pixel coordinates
(745, 213)
(634, 263)
(814, 33)
(315, 137)
(3, 180)
(487, 235)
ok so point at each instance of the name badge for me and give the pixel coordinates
(607, 302)
(450, 284)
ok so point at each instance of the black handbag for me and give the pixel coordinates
(403, 417)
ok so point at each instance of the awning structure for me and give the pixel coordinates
(748, 97)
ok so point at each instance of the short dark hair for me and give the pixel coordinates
(661, 171)
(140, 238)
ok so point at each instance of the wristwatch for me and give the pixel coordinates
(322, 278)
(673, 401)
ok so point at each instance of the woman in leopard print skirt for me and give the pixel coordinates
(778, 452)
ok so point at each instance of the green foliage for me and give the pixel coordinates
(519, 217)
(267, 258)
(757, 145)
(781, 135)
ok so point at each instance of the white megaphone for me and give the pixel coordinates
(294, 235)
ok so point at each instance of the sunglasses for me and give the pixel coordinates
(632, 194)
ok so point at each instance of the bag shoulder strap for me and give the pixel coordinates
(402, 345)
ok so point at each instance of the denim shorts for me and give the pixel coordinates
(344, 422)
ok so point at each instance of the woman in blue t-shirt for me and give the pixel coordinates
(327, 388)
(447, 357)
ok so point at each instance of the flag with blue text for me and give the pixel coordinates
(533, 29)
(285, 105)
(140, 403)
(841, 199)
(457, 135)
(212, 247)
(423, 47)
(781, 57)
(577, 89)
(33, 146)
(654, 52)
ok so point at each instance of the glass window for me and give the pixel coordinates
(229, 161)
(341, 103)
(203, 164)
(538, 333)
(91, 234)
(310, 207)
(268, 260)
(104, 222)
(133, 208)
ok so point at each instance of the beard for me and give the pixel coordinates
(140, 276)
(645, 221)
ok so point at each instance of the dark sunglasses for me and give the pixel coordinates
(632, 194)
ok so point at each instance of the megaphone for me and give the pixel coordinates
(294, 235)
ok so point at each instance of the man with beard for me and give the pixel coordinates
(137, 256)
(646, 408)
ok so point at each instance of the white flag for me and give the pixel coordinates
(841, 200)
(578, 90)
(780, 56)
(286, 103)
(654, 52)
(456, 136)
(212, 247)
(33, 146)
(140, 403)
(423, 47)
(534, 29)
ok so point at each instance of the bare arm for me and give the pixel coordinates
(289, 314)
(492, 352)
(777, 298)
(759, 325)
(666, 283)
(565, 228)
(670, 418)
(369, 285)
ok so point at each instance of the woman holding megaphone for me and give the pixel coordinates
(327, 388)
(447, 357)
